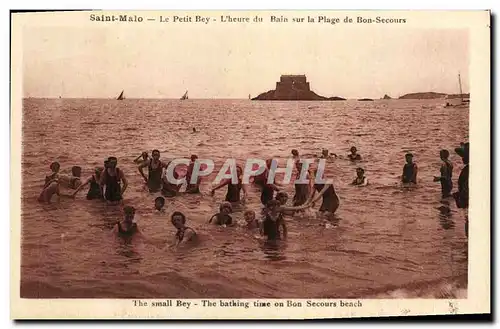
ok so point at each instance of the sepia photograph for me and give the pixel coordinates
(241, 156)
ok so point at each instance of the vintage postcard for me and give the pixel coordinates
(250, 164)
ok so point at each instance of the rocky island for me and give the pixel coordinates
(427, 95)
(293, 88)
(386, 97)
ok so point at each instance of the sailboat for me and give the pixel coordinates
(121, 97)
(249, 96)
(185, 96)
(463, 103)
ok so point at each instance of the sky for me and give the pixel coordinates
(221, 61)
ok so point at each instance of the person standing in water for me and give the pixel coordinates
(462, 195)
(192, 188)
(410, 170)
(111, 178)
(360, 179)
(233, 190)
(326, 155)
(267, 189)
(302, 189)
(155, 172)
(330, 202)
(354, 156)
(446, 174)
(223, 217)
(144, 157)
(51, 185)
(127, 228)
(95, 191)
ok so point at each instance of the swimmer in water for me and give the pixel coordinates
(51, 185)
(155, 172)
(326, 155)
(111, 178)
(184, 233)
(73, 181)
(192, 188)
(159, 204)
(95, 190)
(410, 170)
(143, 158)
(223, 218)
(360, 179)
(354, 156)
(233, 190)
(194, 130)
(251, 221)
(127, 227)
(446, 171)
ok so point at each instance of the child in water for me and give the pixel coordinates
(446, 174)
(410, 170)
(251, 221)
(360, 179)
(184, 233)
(223, 218)
(95, 191)
(51, 185)
(159, 204)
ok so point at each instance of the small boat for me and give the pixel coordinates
(463, 102)
(185, 96)
(121, 97)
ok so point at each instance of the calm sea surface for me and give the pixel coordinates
(389, 242)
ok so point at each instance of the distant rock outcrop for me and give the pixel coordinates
(365, 100)
(293, 88)
(386, 97)
(426, 95)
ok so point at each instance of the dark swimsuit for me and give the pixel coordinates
(129, 232)
(408, 171)
(330, 199)
(359, 181)
(446, 179)
(180, 233)
(354, 157)
(301, 193)
(154, 177)
(233, 192)
(462, 196)
(95, 191)
(113, 188)
(267, 193)
(272, 228)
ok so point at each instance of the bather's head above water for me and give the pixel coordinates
(178, 220)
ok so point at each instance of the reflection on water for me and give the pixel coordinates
(382, 238)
